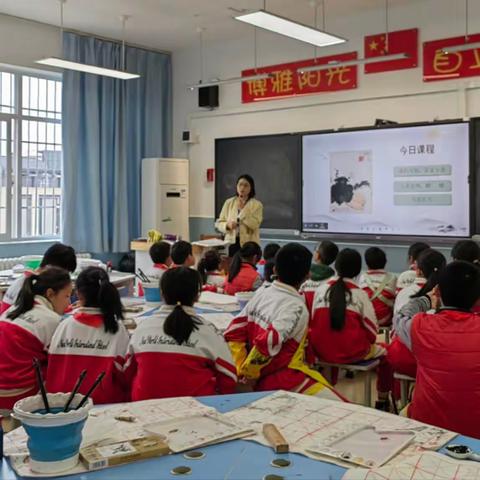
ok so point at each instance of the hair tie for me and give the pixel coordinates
(179, 304)
(435, 269)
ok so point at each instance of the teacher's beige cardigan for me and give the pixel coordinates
(250, 217)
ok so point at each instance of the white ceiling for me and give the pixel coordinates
(172, 24)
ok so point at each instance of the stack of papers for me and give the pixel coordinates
(217, 302)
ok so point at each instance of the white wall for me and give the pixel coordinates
(400, 95)
(22, 42)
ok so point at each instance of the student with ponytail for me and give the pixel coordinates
(430, 264)
(208, 268)
(344, 326)
(26, 330)
(175, 352)
(93, 339)
(243, 275)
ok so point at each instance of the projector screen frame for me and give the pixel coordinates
(473, 177)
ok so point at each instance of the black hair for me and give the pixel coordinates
(180, 287)
(415, 249)
(270, 251)
(37, 284)
(347, 265)
(430, 262)
(292, 264)
(250, 180)
(208, 263)
(459, 284)
(181, 251)
(467, 250)
(328, 251)
(246, 253)
(159, 252)
(375, 258)
(94, 285)
(60, 255)
(268, 272)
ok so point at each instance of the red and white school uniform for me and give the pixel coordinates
(158, 270)
(380, 287)
(81, 343)
(247, 280)
(268, 340)
(356, 341)
(215, 282)
(447, 348)
(13, 291)
(21, 340)
(161, 368)
(405, 279)
(308, 289)
(403, 296)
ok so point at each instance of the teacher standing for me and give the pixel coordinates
(241, 215)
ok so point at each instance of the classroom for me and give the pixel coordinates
(240, 239)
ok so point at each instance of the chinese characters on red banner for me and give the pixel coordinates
(438, 65)
(285, 80)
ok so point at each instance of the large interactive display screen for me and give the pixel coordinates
(392, 181)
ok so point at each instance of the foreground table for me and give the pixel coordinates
(236, 460)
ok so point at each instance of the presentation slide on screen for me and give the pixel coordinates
(395, 181)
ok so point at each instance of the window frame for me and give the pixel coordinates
(15, 119)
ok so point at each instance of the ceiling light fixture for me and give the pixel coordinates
(85, 67)
(466, 46)
(349, 63)
(289, 28)
(260, 76)
(246, 78)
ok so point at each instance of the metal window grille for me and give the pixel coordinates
(30, 155)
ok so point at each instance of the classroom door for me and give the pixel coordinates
(6, 184)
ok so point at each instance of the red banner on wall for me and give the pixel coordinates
(285, 81)
(401, 41)
(438, 65)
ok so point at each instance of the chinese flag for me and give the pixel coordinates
(402, 41)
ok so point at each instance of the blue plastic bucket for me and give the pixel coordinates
(53, 438)
(152, 292)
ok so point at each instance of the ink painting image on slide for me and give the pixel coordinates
(351, 182)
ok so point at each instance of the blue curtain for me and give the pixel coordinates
(109, 125)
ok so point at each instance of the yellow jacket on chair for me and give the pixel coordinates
(250, 217)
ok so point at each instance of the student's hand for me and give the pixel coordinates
(434, 296)
(232, 225)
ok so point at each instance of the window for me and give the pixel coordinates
(30, 155)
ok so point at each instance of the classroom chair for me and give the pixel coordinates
(367, 366)
(405, 383)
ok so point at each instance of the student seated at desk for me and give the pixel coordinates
(268, 337)
(343, 328)
(182, 254)
(408, 277)
(379, 285)
(429, 264)
(26, 330)
(243, 275)
(320, 271)
(160, 255)
(446, 345)
(175, 352)
(58, 255)
(93, 339)
(466, 250)
(208, 268)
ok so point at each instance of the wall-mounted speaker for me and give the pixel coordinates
(208, 97)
